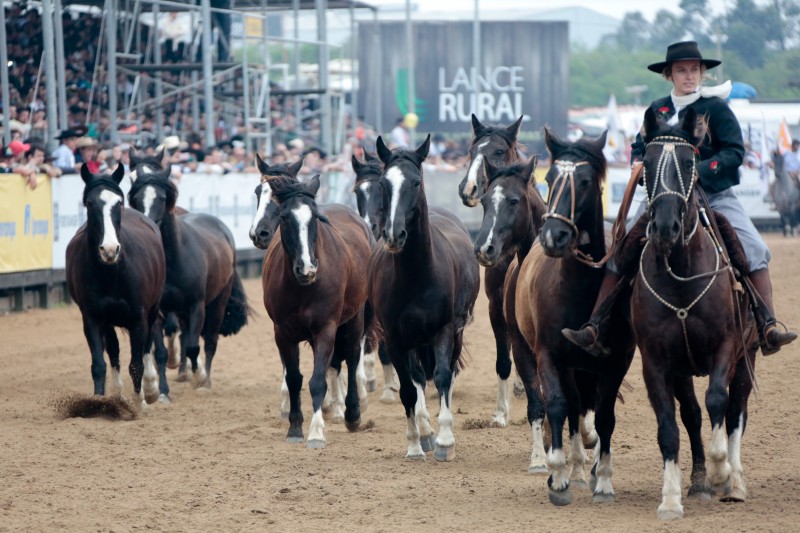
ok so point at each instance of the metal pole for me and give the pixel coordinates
(325, 99)
(61, 75)
(410, 67)
(476, 40)
(111, 78)
(246, 95)
(4, 78)
(296, 65)
(157, 61)
(266, 97)
(208, 93)
(50, 74)
(353, 76)
(377, 74)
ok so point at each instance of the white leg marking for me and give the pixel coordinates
(501, 410)
(150, 379)
(497, 199)
(718, 468)
(174, 350)
(445, 439)
(423, 417)
(263, 201)
(389, 384)
(412, 437)
(396, 179)
(588, 432)
(577, 458)
(557, 464)
(603, 474)
(316, 431)
(114, 382)
(303, 216)
(368, 359)
(285, 406)
(538, 455)
(671, 506)
(737, 488)
(337, 398)
(361, 380)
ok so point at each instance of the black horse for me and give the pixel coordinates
(496, 145)
(556, 289)
(689, 320)
(203, 288)
(115, 272)
(423, 284)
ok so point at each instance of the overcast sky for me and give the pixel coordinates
(614, 8)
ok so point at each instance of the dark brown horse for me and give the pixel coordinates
(496, 145)
(555, 290)
(266, 220)
(203, 288)
(688, 319)
(115, 272)
(423, 283)
(315, 288)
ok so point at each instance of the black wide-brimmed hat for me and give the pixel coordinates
(683, 51)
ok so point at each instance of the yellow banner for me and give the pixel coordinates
(26, 224)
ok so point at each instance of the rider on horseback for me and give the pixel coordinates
(718, 164)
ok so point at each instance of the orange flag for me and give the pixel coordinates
(784, 140)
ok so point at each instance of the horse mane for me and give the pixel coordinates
(515, 170)
(158, 181)
(370, 170)
(105, 183)
(278, 172)
(584, 149)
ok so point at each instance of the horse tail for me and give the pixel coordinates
(628, 388)
(236, 310)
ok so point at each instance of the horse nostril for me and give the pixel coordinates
(264, 234)
(490, 250)
(402, 236)
(676, 227)
(385, 235)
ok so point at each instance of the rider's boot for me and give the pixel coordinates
(592, 335)
(769, 336)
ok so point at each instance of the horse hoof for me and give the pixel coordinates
(560, 498)
(593, 482)
(733, 496)
(537, 469)
(183, 377)
(444, 454)
(337, 418)
(499, 422)
(352, 427)
(387, 396)
(579, 484)
(151, 398)
(164, 399)
(670, 514)
(315, 444)
(372, 385)
(416, 457)
(295, 440)
(602, 497)
(428, 442)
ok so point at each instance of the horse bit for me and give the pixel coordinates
(669, 155)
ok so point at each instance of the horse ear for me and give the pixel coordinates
(554, 144)
(601, 140)
(357, 165)
(383, 152)
(262, 167)
(295, 167)
(422, 151)
(160, 156)
(86, 174)
(118, 174)
(476, 124)
(313, 185)
(650, 125)
(514, 128)
(530, 169)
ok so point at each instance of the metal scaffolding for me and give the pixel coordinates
(213, 80)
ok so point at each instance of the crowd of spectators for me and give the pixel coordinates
(87, 139)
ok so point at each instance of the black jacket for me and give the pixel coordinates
(721, 152)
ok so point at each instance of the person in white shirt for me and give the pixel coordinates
(399, 135)
(64, 155)
(791, 161)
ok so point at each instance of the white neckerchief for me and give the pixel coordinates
(679, 102)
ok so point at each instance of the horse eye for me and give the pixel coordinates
(417, 184)
(500, 152)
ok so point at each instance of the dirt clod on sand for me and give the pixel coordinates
(75, 405)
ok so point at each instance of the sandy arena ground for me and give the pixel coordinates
(217, 461)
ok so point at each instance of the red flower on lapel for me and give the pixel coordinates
(714, 165)
(663, 110)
